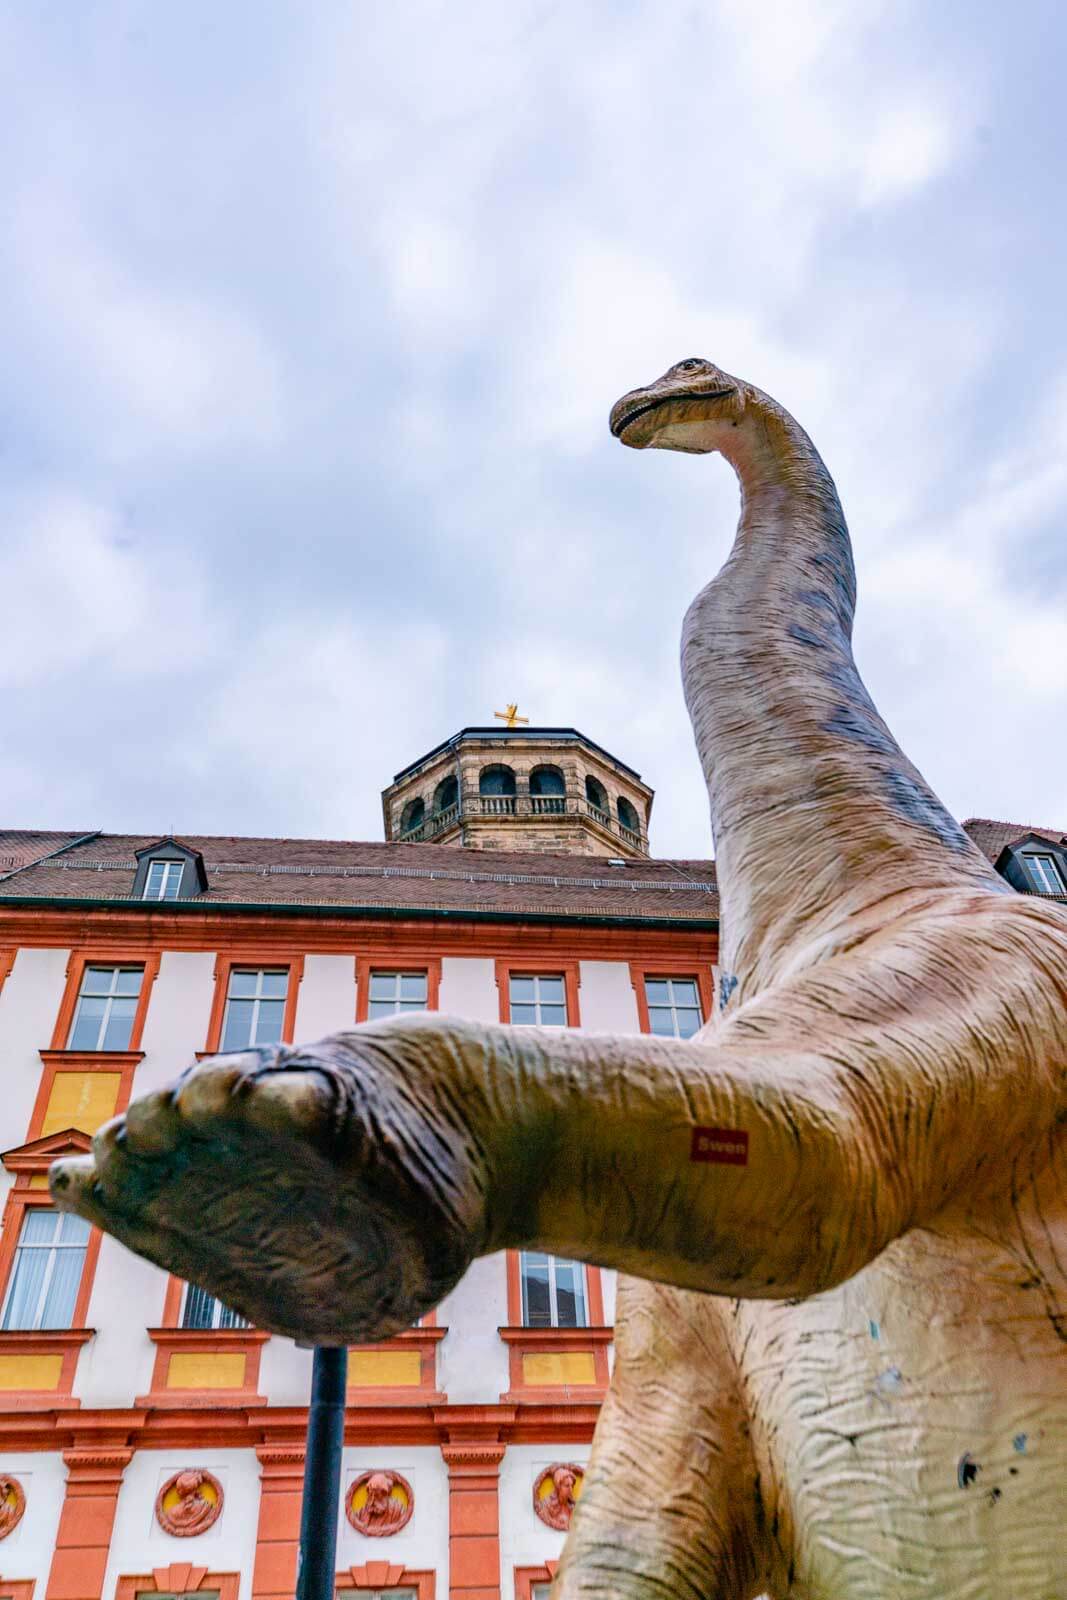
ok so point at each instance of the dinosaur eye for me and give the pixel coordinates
(691, 365)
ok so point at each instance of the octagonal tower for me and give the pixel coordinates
(513, 788)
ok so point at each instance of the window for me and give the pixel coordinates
(596, 794)
(673, 1007)
(1044, 873)
(164, 880)
(255, 1007)
(538, 998)
(47, 1271)
(540, 1591)
(553, 1291)
(628, 817)
(391, 992)
(202, 1310)
(413, 816)
(548, 790)
(496, 780)
(446, 795)
(107, 1004)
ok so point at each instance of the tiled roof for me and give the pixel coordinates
(330, 873)
(418, 877)
(991, 836)
(20, 846)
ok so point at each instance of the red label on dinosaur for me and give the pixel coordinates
(729, 1146)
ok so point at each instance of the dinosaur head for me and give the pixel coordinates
(687, 409)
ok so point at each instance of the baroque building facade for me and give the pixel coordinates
(151, 1443)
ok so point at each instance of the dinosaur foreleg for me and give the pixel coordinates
(350, 1183)
(671, 1502)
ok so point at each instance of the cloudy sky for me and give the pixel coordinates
(312, 319)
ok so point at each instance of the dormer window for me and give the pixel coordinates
(168, 870)
(163, 880)
(1043, 872)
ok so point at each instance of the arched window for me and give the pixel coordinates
(596, 794)
(548, 790)
(628, 817)
(497, 780)
(446, 794)
(413, 816)
(547, 780)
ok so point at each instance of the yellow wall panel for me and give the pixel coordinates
(558, 1367)
(206, 1369)
(81, 1100)
(384, 1369)
(30, 1372)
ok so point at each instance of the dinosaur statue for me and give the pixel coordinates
(842, 1344)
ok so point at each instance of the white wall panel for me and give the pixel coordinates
(472, 1362)
(138, 1543)
(607, 999)
(179, 1009)
(423, 1543)
(27, 1552)
(29, 1005)
(116, 1366)
(326, 1002)
(526, 1541)
(468, 989)
(285, 1373)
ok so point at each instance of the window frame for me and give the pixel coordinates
(52, 1247)
(375, 1576)
(1048, 858)
(260, 960)
(591, 1341)
(553, 1294)
(688, 969)
(97, 956)
(30, 1165)
(540, 965)
(399, 960)
(179, 1579)
(172, 869)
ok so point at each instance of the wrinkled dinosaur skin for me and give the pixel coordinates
(841, 1367)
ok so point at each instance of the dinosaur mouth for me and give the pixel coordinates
(619, 428)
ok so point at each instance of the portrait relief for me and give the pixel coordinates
(12, 1504)
(379, 1503)
(189, 1503)
(555, 1493)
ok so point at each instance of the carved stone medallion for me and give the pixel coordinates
(555, 1493)
(379, 1503)
(12, 1504)
(189, 1503)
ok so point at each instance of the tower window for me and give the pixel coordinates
(496, 780)
(597, 796)
(47, 1272)
(255, 1007)
(107, 1004)
(1044, 873)
(413, 816)
(547, 781)
(164, 880)
(446, 795)
(553, 1291)
(628, 817)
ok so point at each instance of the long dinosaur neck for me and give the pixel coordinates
(821, 823)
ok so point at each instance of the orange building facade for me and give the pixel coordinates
(151, 1443)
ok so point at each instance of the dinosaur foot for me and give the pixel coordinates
(304, 1189)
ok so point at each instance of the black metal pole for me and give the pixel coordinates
(316, 1572)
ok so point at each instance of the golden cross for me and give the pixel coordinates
(510, 717)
